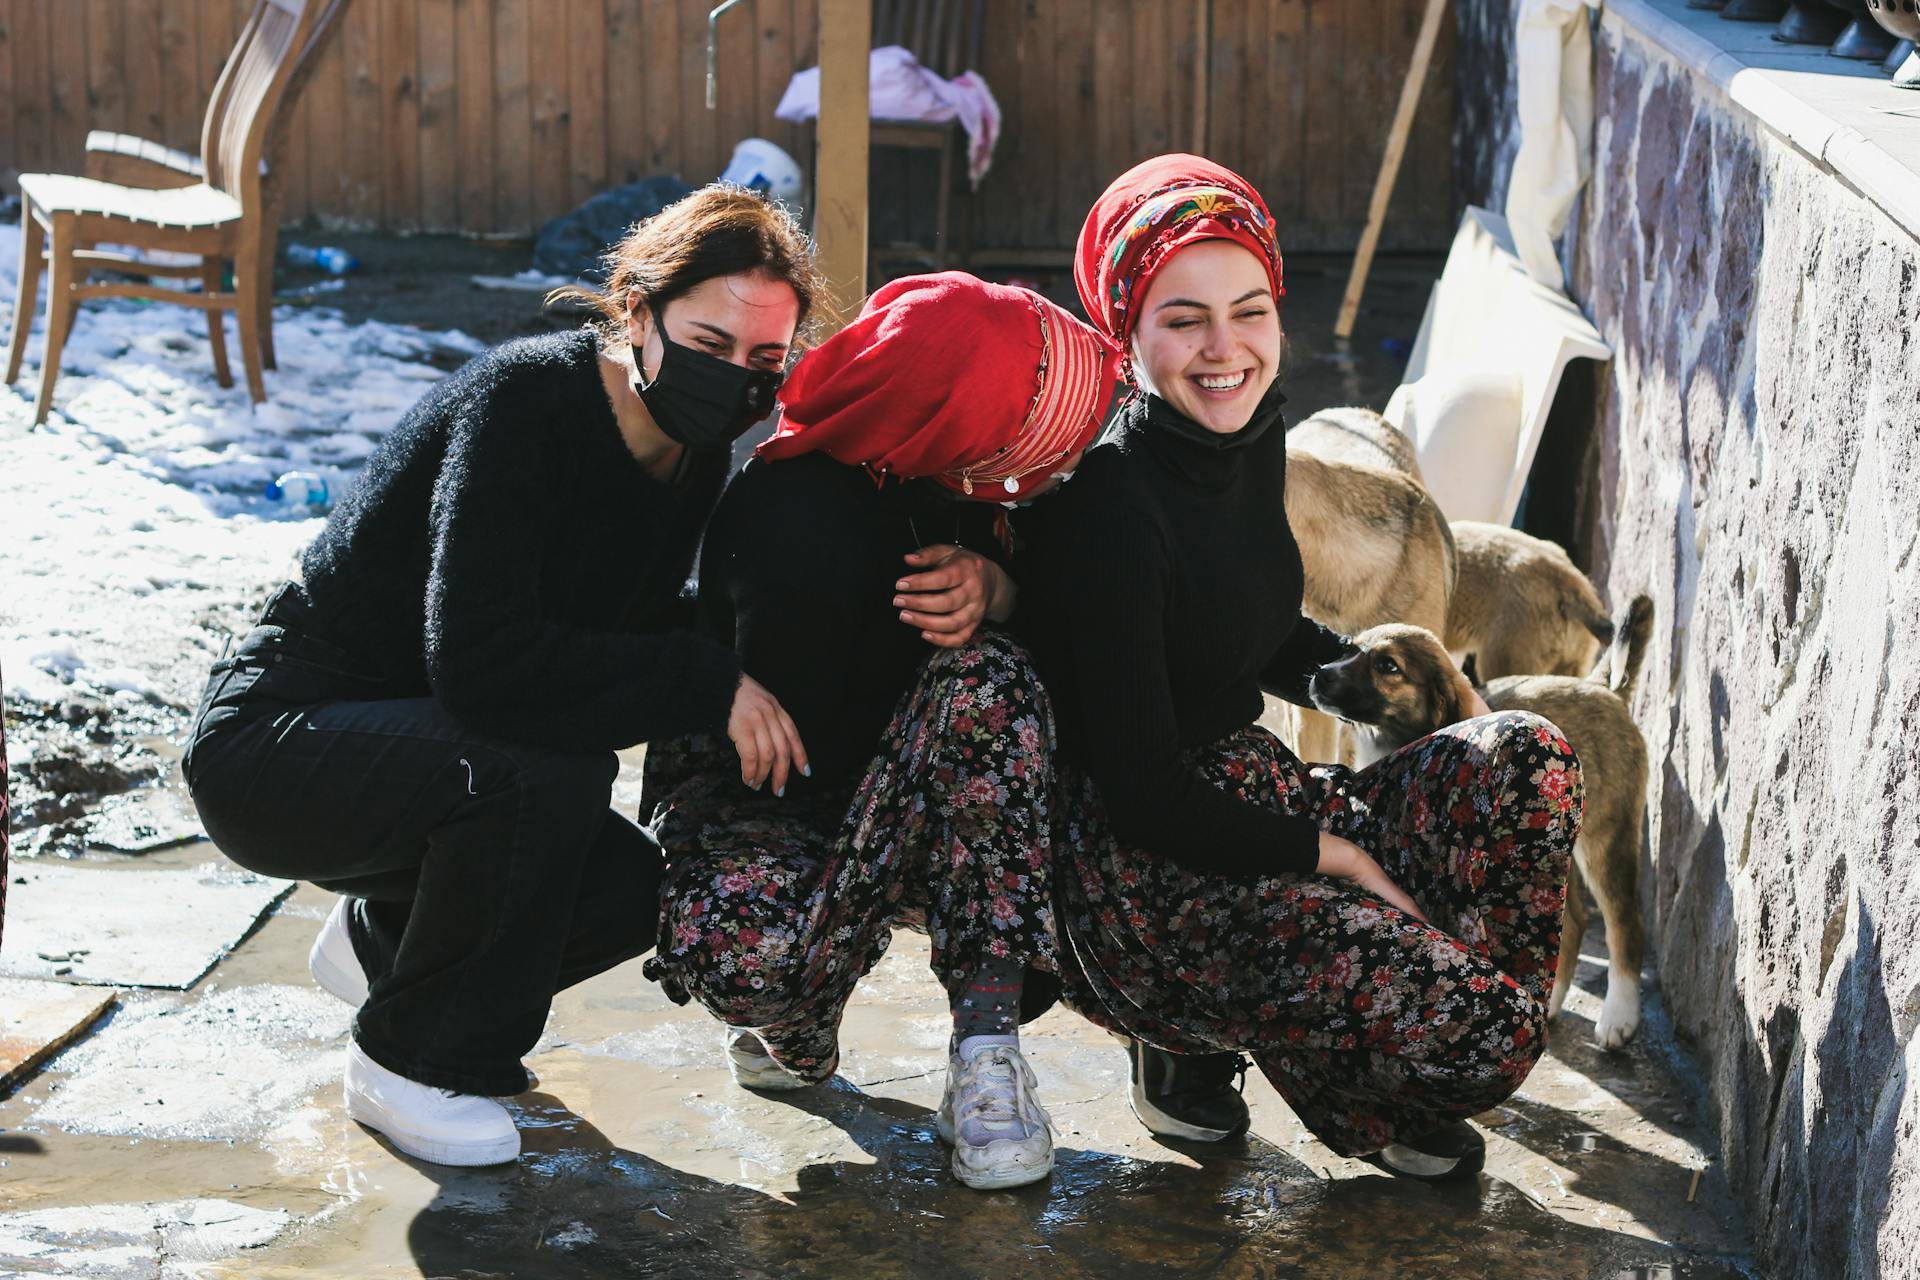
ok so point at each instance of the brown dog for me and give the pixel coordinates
(1401, 685)
(1522, 607)
(1373, 545)
(1359, 436)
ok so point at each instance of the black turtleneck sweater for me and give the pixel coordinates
(1160, 590)
(505, 552)
(798, 574)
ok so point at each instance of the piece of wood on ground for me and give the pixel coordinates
(100, 926)
(38, 1019)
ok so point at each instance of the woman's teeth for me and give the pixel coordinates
(1221, 382)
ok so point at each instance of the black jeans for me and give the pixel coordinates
(492, 874)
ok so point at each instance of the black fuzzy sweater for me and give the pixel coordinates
(1160, 590)
(798, 574)
(505, 552)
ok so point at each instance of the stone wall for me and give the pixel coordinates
(1757, 470)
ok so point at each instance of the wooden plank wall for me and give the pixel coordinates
(487, 117)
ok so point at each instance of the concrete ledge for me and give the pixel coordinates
(1844, 116)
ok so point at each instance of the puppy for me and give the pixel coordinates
(1521, 607)
(1401, 685)
(1373, 544)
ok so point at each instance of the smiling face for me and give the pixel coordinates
(747, 319)
(1209, 338)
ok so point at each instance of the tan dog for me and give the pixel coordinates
(1521, 607)
(1402, 685)
(1359, 436)
(1373, 545)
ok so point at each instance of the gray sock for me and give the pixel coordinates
(990, 1003)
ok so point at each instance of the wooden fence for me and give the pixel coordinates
(489, 116)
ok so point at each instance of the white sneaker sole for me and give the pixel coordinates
(349, 987)
(987, 1174)
(434, 1151)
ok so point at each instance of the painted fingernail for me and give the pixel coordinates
(806, 771)
(754, 785)
(899, 602)
(780, 793)
(900, 585)
(905, 616)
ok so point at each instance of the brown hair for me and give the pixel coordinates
(719, 230)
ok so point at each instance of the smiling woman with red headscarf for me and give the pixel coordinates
(1215, 897)
(928, 740)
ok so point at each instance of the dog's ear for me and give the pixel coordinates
(1471, 669)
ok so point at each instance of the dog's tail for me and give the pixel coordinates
(1619, 666)
(1582, 606)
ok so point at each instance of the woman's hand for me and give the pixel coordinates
(956, 591)
(765, 737)
(1345, 860)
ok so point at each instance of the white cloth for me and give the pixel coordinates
(1553, 47)
(899, 88)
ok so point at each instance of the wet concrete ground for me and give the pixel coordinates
(643, 1158)
(200, 1133)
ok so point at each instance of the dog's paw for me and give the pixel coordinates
(1619, 1016)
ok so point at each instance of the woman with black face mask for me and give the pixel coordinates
(426, 720)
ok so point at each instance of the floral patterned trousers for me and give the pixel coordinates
(1370, 1024)
(773, 910)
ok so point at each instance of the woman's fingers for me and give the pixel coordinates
(1391, 893)
(743, 742)
(770, 761)
(796, 750)
(945, 624)
(934, 553)
(942, 601)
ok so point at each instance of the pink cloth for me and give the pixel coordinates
(899, 88)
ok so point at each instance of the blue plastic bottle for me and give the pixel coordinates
(324, 258)
(310, 489)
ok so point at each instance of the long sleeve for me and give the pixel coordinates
(802, 558)
(1113, 606)
(1306, 649)
(498, 659)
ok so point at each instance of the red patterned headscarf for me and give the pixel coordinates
(1151, 212)
(950, 378)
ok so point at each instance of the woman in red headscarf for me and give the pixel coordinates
(1216, 896)
(855, 567)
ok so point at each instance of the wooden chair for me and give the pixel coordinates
(222, 217)
(133, 161)
(945, 36)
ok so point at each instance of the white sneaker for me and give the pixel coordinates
(753, 1067)
(333, 963)
(436, 1125)
(1001, 1137)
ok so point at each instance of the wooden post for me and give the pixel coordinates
(1390, 165)
(840, 164)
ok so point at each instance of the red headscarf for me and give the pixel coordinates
(1150, 212)
(947, 377)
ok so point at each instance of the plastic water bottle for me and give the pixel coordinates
(310, 489)
(323, 257)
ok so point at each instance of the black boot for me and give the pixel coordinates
(1191, 1096)
(1451, 1150)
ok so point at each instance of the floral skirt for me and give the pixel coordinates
(1370, 1024)
(773, 910)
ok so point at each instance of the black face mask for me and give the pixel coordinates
(702, 401)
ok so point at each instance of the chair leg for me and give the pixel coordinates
(944, 218)
(62, 274)
(246, 290)
(269, 248)
(33, 241)
(210, 272)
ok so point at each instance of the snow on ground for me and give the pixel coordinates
(134, 530)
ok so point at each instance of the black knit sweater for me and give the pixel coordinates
(1160, 590)
(798, 574)
(507, 553)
